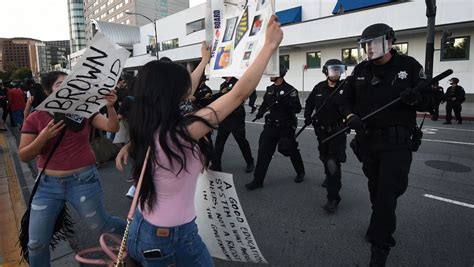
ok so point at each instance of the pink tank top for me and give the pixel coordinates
(175, 192)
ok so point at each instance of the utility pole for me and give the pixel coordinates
(430, 34)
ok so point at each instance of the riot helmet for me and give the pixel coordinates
(334, 69)
(374, 42)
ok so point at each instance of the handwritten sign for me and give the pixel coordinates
(238, 34)
(94, 76)
(221, 220)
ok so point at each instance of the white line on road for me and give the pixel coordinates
(449, 201)
(452, 129)
(449, 142)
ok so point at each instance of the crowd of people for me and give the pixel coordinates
(172, 112)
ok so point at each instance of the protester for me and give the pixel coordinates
(70, 176)
(35, 95)
(3, 105)
(16, 103)
(163, 231)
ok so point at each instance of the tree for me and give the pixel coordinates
(21, 74)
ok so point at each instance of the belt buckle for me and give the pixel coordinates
(162, 232)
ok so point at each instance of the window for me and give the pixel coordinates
(285, 61)
(127, 21)
(195, 26)
(456, 48)
(111, 10)
(170, 44)
(402, 48)
(313, 60)
(119, 6)
(126, 1)
(120, 15)
(350, 56)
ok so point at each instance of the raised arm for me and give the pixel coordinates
(227, 103)
(199, 70)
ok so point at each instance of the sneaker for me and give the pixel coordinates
(378, 256)
(131, 192)
(447, 122)
(130, 179)
(250, 167)
(325, 183)
(253, 185)
(299, 177)
(331, 206)
(253, 110)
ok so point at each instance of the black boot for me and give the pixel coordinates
(378, 256)
(253, 185)
(299, 177)
(250, 167)
(447, 122)
(331, 206)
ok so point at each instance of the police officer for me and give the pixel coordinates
(384, 142)
(235, 124)
(439, 98)
(455, 96)
(328, 121)
(279, 129)
(203, 95)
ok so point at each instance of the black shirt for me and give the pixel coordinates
(287, 106)
(455, 94)
(372, 86)
(331, 114)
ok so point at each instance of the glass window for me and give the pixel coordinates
(170, 44)
(285, 61)
(313, 60)
(127, 21)
(456, 48)
(126, 1)
(402, 48)
(350, 56)
(195, 26)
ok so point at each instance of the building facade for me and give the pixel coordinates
(319, 30)
(53, 53)
(21, 53)
(77, 24)
(115, 11)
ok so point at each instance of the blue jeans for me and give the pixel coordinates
(178, 246)
(83, 191)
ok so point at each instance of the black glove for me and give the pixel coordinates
(259, 116)
(410, 96)
(354, 122)
(308, 121)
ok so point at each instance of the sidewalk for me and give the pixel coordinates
(16, 182)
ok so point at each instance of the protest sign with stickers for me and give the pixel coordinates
(94, 76)
(237, 29)
(221, 221)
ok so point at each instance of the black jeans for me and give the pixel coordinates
(269, 139)
(387, 167)
(223, 132)
(450, 106)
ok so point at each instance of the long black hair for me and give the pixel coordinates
(159, 88)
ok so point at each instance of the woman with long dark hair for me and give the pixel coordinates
(163, 231)
(70, 175)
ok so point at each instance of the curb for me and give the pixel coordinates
(63, 255)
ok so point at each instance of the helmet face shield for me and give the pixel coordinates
(336, 71)
(374, 48)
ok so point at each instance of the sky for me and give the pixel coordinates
(45, 20)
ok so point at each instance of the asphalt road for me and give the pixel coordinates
(435, 224)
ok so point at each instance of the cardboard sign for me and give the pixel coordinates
(221, 220)
(238, 34)
(96, 73)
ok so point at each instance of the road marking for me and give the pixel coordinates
(450, 201)
(452, 129)
(449, 142)
(299, 127)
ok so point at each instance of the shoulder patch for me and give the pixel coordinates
(294, 93)
(422, 74)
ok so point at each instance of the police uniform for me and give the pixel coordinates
(328, 121)
(235, 124)
(439, 98)
(455, 95)
(279, 129)
(385, 148)
(203, 96)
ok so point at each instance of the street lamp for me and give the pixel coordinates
(154, 25)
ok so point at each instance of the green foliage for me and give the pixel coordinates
(21, 73)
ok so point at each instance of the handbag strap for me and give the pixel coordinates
(139, 186)
(56, 145)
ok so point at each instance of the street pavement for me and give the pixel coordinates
(435, 215)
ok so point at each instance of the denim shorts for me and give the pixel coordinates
(151, 245)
